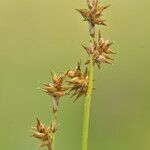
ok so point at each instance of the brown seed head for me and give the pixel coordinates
(78, 81)
(100, 51)
(56, 89)
(43, 134)
(93, 15)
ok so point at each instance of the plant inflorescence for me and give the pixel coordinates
(77, 82)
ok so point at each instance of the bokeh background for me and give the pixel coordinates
(39, 36)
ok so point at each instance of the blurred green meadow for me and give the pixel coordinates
(39, 36)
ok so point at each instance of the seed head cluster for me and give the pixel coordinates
(56, 89)
(44, 134)
(93, 15)
(100, 51)
(78, 81)
(73, 82)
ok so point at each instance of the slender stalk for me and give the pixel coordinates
(54, 120)
(54, 123)
(87, 104)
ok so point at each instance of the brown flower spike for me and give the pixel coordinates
(56, 88)
(100, 51)
(44, 134)
(78, 81)
(93, 15)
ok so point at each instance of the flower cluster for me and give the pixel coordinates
(100, 51)
(78, 81)
(93, 15)
(44, 134)
(56, 88)
(77, 84)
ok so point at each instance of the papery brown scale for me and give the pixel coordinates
(107, 57)
(71, 74)
(54, 77)
(103, 59)
(58, 94)
(41, 136)
(65, 88)
(92, 3)
(83, 12)
(50, 88)
(40, 126)
(74, 80)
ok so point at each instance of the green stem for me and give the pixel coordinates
(87, 104)
(54, 123)
(54, 120)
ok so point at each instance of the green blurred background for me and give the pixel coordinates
(37, 36)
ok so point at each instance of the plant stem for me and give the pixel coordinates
(54, 123)
(87, 104)
(54, 120)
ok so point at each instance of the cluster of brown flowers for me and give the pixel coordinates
(100, 51)
(44, 134)
(93, 15)
(76, 82)
(56, 89)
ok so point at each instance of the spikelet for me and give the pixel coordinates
(100, 51)
(78, 81)
(43, 134)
